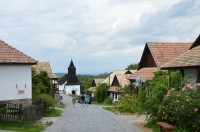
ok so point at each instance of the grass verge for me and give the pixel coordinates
(52, 112)
(60, 105)
(102, 104)
(109, 108)
(22, 127)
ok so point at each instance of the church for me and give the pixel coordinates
(69, 83)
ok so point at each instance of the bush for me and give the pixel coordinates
(108, 100)
(101, 92)
(129, 103)
(47, 100)
(154, 100)
(182, 108)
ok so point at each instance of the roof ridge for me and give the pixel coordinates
(169, 42)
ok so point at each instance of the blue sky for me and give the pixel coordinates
(100, 35)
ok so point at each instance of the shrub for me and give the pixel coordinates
(182, 108)
(108, 100)
(154, 100)
(129, 103)
(47, 100)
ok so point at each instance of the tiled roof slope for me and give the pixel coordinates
(165, 51)
(114, 89)
(98, 81)
(110, 78)
(92, 89)
(10, 55)
(190, 58)
(123, 80)
(146, 73)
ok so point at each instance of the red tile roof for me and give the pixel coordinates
(146, 73)
(10, 55)
(165, 51)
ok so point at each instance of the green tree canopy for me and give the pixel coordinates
(41, 84)
(101, 92)
(132, 67)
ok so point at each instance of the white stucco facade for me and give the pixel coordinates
(15, 82)
(190, 75)
(61, 87)
(69, 88)
(115, 96)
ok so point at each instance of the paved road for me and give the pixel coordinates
(90, 119)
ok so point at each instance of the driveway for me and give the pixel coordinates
(90, 119)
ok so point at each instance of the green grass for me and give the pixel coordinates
(102, 104)
(60, 105)
(22, 127)
(108, 108)
(152, 125)
(52, 112)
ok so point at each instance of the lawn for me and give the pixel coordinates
(22, 127)
(52, 112)
(103, 104)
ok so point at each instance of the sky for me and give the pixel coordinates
(98, 35)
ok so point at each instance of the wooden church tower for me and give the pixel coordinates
(69, 83)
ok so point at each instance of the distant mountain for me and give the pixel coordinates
(102, 75)
(59, 74)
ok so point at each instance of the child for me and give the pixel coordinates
(73, 101)
(87, 99)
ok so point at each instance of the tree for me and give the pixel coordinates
(41, 85)
(101, 92)
(86, 81)
(132, 67)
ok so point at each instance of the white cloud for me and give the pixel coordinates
(107, 33)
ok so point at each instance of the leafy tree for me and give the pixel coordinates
(86, 81)
(101, 92)
(102, 75)
(132, 67)
(41, 85)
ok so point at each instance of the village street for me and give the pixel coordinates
(90, 119)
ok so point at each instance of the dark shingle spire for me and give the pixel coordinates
(71, 66)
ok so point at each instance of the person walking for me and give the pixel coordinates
(73, 100)
(82, 100)
(87, 99)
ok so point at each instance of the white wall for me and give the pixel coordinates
(69, 88)
(61, 87)
(190, 75)
(115, 97)
(93, 94)
(15, 78)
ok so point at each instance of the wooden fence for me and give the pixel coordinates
(18, 113)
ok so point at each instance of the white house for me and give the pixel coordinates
(119, 82)
(15, 74)
(69, 82)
